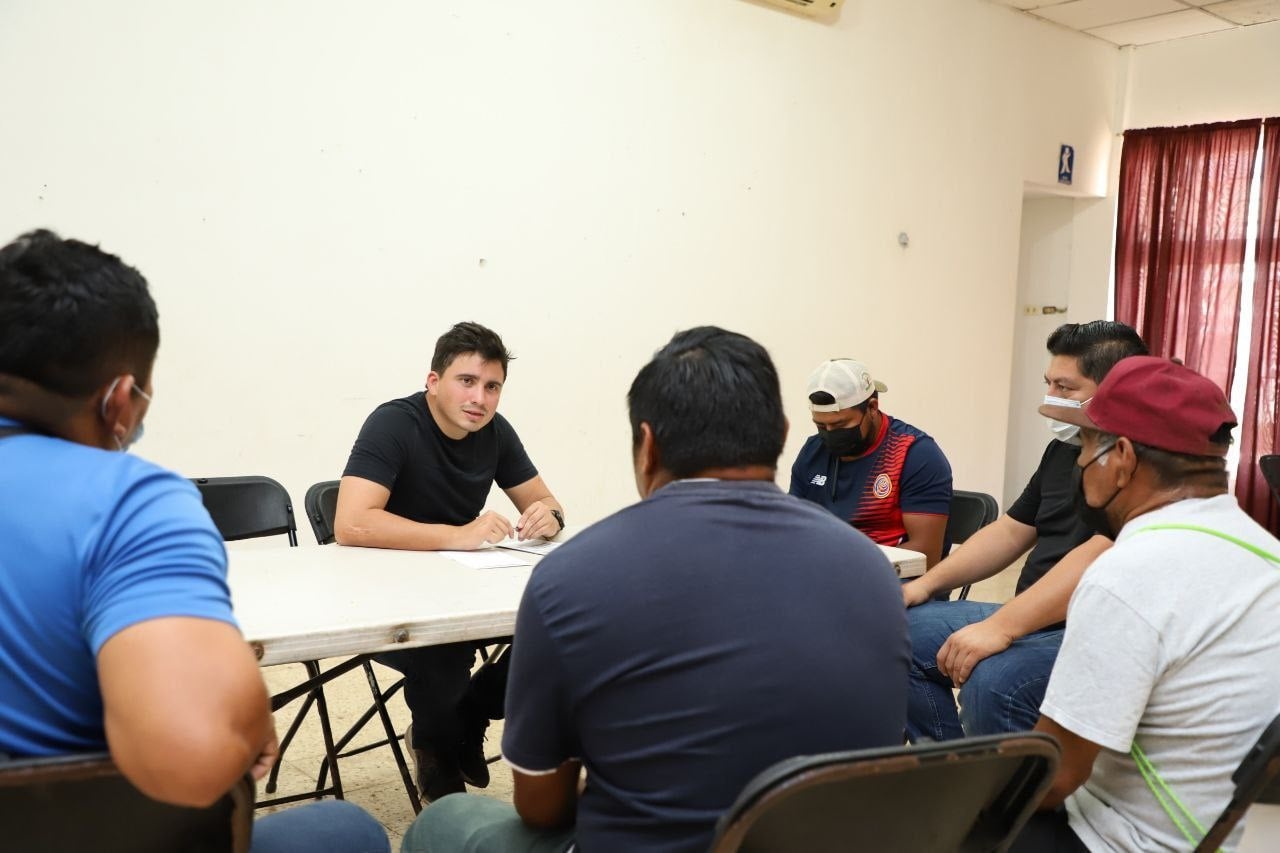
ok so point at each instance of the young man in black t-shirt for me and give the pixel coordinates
(1001, 656)
(418, 478)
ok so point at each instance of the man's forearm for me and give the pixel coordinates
(986, 553)
(1045, 602)
(377, 528)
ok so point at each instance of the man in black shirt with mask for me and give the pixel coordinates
(1001, 656)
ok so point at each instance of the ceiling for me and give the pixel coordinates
(1126, 22)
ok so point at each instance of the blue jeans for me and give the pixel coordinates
(476, 824)
(334, 826)
(1004, 691)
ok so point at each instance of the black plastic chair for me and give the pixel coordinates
(970, 512)
(1270, 465)
(254, 507)
(248, 507)
(960, 796)
(321, 504)
(82, 802)
(1257, 780)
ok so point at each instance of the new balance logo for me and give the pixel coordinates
(818, 480)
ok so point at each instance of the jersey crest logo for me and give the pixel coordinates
(883, 487)
(818, 480)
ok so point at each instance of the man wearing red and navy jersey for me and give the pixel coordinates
(882, 475)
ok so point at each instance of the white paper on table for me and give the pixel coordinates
(541, 547)
(486, 558)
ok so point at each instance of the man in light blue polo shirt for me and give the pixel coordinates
(116, 629)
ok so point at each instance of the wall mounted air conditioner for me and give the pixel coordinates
(810, 8)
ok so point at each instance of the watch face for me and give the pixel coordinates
(556, 514)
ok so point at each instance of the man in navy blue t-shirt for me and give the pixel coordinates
(882, 475)
(671, 649)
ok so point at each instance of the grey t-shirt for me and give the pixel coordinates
(1171, 640)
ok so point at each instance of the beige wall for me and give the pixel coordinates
(311, 189)
(1234, 74)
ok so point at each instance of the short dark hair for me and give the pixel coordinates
(465, 338)
(1097, 345)
(712, 399)
(72, 316)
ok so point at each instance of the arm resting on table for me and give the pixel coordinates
(925, 534)
(362, 519)
(984, 554)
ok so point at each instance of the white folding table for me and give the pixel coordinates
(308, 603)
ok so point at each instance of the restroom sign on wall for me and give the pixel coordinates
(1066, 164)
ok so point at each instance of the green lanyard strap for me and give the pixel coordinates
(1164, 795)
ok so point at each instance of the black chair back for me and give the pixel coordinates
(1257, 780)
(1270, 465)
(321, 503)
(81, 802)
(959, 796)
(970, 512)
(248, 507)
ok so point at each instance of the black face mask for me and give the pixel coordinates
(1094, 517)
(845, 442)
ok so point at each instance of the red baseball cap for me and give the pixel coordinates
(1156, 402)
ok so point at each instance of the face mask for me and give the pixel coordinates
(1094, 517)
(845, 442)
(136, 435)
(1064, 432)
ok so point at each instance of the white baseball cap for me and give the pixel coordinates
(848, 381)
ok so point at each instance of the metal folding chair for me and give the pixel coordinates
(961, 796)
(970, 512)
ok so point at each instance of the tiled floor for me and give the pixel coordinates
(371, 779)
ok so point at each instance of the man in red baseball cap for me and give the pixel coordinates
(1166, 673)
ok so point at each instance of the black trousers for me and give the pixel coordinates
(446, 704)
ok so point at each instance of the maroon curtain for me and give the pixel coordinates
(1260, 428)
(1180, 240)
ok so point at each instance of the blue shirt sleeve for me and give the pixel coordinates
(926, 479)
(158, 554)
(536, 736)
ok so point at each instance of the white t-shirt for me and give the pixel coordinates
(1173, 639)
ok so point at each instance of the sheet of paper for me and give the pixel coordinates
(541, 547)
(486, 558)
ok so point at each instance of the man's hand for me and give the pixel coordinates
(270, 754)
(968, 647)
(915, 592)
(485, 530)
(536, 521)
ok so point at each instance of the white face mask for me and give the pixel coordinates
(1069, 433)
(137, 431)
